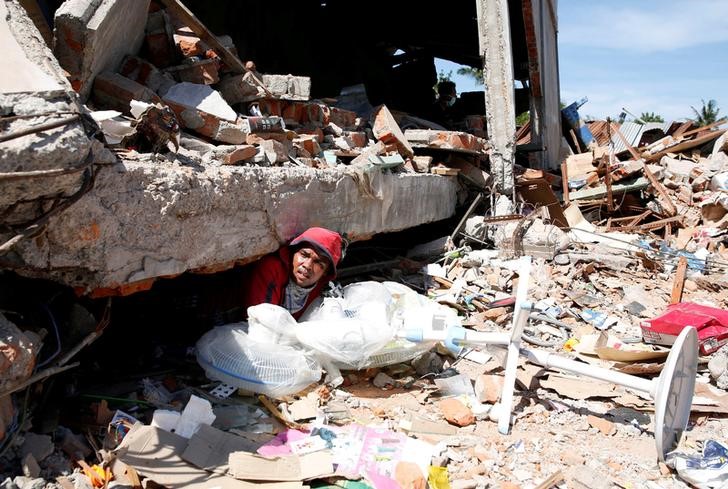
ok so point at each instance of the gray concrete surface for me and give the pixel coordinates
(92, 36)
(494, 35)
(22, 109)
(147, 219)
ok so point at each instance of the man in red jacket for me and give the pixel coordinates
(295, 275)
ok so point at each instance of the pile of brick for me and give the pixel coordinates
(228, 112)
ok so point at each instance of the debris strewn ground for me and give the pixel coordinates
(628, 241)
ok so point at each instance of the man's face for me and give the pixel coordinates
(308, 267)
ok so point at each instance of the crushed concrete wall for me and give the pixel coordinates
(34, 92)
(146, 220)
(92, 36)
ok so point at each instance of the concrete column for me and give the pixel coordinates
(494, 33)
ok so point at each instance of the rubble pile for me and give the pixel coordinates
(629, 246)
(230, 114)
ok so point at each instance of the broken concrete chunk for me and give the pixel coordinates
(721, 145)
(488, 387)
(114, 91)
(201, 98)
(89, 37)
(17, 353)
(275, 151)
(454, 140)
(422, 163)
(39, 446)
(239, 88)
(678, 170)
(409, 476)
(382, 380)
(288, 87)
(457, 413)
(30, 466)
(203, 110)
(605, 426)
(387, 130)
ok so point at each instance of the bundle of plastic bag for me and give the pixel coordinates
(230, 355)
(275, 355)
(351, 329)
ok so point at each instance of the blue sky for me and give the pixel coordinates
(657, 56)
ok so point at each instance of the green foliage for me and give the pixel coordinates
(442, 76)
(708, 113)
(474, 73)
(523, 118)
(651, 117)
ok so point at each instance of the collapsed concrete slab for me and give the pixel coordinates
(44, 147)
(92, 36)
(145, 220)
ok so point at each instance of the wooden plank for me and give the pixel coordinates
(639, 218)
(565, 183)
(679, 283)
(608, 184)
(667, 201)
(704, 128)
(631, 150)
(681, 130)
(653, 225)
(685, 145)
(179, 10)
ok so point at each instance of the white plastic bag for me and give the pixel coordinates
(269, 323)
(351, 340)
(229, 355)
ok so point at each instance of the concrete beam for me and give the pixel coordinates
(145, 220)
(494, 33)
(92, 36)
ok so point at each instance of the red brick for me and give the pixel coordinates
(488, 387)
(294, 113)
(204, 72)
(114, 91)
(188, 43)
(345, 119)
(358, 139)
(240, 153)
(158, 46)
(605, 426)
(270, 107)
(387, 130)
(409, 476)
(308, 143)
(455, 412)
(208, 124)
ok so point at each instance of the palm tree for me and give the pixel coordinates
(475, 73)
(651, 117)
(708, 113)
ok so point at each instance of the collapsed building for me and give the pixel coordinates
(136, 154)
(95, 203)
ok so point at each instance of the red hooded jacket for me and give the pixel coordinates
(268, 278)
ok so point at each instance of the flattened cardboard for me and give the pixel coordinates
(156, 454)
(538, 192)
(416, 425)
(578, 388)
(210, 448)
(247, 466)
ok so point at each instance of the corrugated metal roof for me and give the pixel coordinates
(633, 131)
